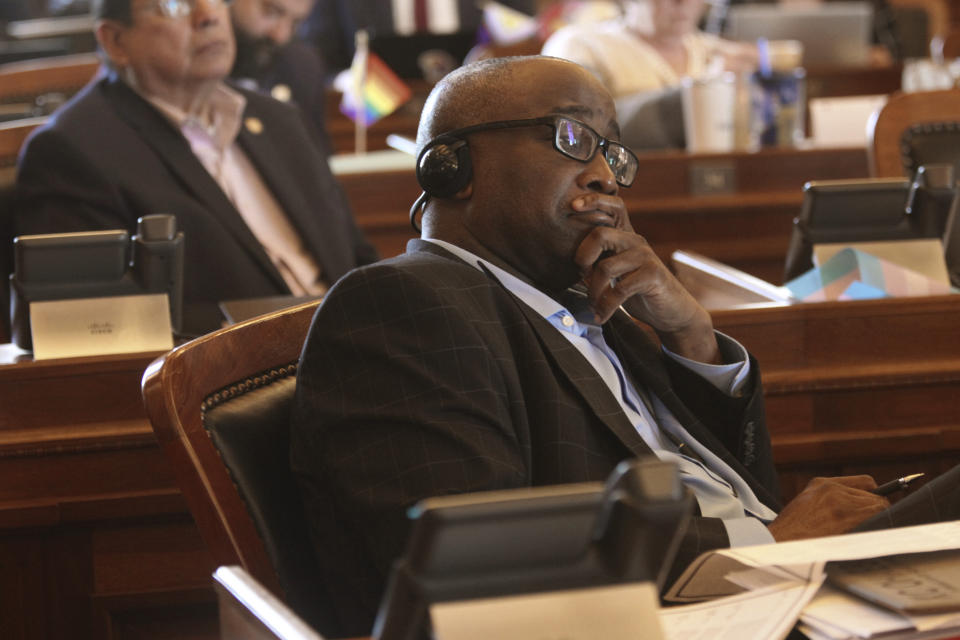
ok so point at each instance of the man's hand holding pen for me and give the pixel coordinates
(828, 506)
(900, 484)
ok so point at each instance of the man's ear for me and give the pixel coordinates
(465, 193)
(111, 36)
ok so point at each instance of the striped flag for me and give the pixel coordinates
(374, 90)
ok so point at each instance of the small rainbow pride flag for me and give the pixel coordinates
(380, 90)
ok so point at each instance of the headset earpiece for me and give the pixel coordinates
(444, 167)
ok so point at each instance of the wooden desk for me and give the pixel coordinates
(96, 542)
(859, 386)
(747, 226)
(95, 539)
(830, 82)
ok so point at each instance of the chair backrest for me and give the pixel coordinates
(912, 129)
(220, 407)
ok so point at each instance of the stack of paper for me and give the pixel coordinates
(761, 591)
(837, 615)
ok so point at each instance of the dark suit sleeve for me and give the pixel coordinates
(58, 190)
(398, 398)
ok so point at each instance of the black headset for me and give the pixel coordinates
(443, 168)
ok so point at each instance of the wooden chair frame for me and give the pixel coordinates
(903, 110)
(30, 78)
(174, 388)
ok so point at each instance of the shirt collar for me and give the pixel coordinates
(220, 118)
(544, 305)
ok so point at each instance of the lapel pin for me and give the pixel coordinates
(253, 125)
(281, 92)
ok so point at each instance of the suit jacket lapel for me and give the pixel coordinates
(574, 367)
(583, 376)
(621, 331)
(268, 159)
(175, 152)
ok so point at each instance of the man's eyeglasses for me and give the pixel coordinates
(573, 139)
(179, 8)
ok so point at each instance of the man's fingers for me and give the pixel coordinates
(862, 482)
(828, 506)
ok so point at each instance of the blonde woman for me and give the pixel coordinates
(650, 47)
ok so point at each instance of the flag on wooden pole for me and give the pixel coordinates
(375, 90)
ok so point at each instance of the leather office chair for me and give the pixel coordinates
(220, 407)
(913, 129)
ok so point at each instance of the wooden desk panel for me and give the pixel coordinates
(859, 386)
(94, 533)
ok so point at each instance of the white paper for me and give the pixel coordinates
(823, 632)
(757, 578)
(764, 614)
(97, 326)
(620, 612)
(853, 615)
(842, 121)
(852, 546)
(705, 577)
(835, 615)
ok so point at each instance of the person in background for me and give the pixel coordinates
(452, 24)
(162, 132)
(650, 47)
(271, 60)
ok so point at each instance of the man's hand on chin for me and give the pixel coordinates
(619, 267)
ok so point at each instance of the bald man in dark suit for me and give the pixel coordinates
(506, 347)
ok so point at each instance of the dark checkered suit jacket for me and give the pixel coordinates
(423, 376)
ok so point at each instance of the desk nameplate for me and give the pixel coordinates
(95, 326)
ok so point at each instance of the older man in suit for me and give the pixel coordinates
(162, 132)
(500, 351)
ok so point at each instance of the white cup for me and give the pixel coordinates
(708, 113)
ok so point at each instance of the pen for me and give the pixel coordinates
(896, 485)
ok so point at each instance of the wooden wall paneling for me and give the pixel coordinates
(857, 386)
(64, 75)
(87, 497)
(853, 81)
(24, 605)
